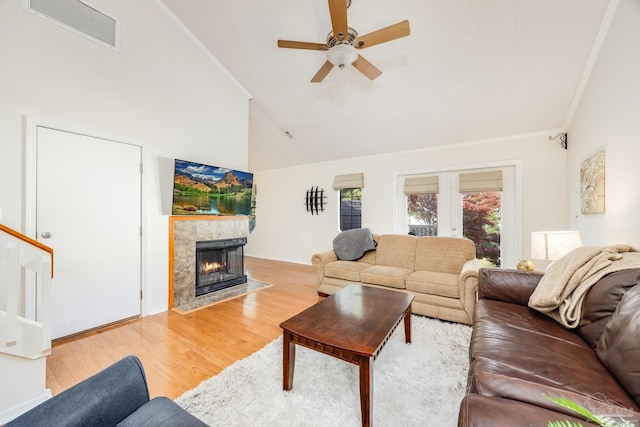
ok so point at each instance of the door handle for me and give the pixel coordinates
(46, 235)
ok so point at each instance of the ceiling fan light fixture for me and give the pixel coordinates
(342, 54)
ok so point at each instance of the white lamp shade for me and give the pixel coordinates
(553, 245)
(342, 54)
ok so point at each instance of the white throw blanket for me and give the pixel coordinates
(562, 289)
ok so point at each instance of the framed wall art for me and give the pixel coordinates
(592, 188)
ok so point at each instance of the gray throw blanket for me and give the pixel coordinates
(562, 289)
(353, 244)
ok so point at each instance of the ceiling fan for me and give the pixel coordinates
(343, 43)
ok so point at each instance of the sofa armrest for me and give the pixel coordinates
(321, 259)
(469, 274)
(513, 286)
(468, 287)
(104, 399)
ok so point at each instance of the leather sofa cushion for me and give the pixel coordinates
(520, 354)
(427, 282)
(619, 345)
(484, 411)
(507, 285)
(392, 277)
(396, 250)
(346, 270)
(601, 301)
(443, 254)
(496, 317)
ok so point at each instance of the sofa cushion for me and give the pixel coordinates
(520, 354)
(392, 277)
(346, 270)
(352, 244)
(619, 345)
(161, 412)
(483, 411)
(433, 283)
(601, 301)
(396, 250)
(443, 254)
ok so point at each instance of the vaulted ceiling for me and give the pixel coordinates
(470, 70)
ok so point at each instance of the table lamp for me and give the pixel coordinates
(553, 245)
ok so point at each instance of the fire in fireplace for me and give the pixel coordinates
(219, 264)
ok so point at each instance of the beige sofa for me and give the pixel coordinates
(442, 273)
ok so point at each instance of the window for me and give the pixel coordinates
(350, 208)
(350, 187)
(422, 213)
(481, 222)
(478, 204)
(422, 205)
(481, 198)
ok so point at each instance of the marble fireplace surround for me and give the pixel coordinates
(184, 231)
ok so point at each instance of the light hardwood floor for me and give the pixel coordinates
(178, 351)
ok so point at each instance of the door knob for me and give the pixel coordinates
(46, 235)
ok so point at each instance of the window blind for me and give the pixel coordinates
(353, 180)
(421, 185)
(481, 181)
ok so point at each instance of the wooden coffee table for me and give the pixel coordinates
(353, 325)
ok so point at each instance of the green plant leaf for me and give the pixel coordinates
(570, 404)
(563, 424)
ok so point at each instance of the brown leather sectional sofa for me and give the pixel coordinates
(518, 355)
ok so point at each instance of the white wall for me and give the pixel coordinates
(285, 231)
(160, 91)
(608, 117)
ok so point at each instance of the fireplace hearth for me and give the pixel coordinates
(219, 264)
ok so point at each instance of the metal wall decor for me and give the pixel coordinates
(314, 200)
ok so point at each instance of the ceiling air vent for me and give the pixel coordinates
(79, 18)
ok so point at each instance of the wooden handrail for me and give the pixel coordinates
(28, 240)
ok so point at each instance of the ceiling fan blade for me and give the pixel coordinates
(322, 72)
(290, 44)
(338, 12)
(366, 68)
(392, 32)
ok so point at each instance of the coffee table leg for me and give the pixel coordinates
(288, 361)
(366, 389)
(407, 325)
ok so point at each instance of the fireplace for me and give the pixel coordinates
(219, 264)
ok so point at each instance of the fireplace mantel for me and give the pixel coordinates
(184, 231)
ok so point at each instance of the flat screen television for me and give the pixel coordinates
(200, 189)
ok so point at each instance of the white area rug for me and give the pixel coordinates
(417, 384)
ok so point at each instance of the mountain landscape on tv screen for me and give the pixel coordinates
(200, 189)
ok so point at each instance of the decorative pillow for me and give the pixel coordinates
(601, 301)
(619, 345)
(353, 244)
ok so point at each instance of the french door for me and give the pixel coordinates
(478, 204)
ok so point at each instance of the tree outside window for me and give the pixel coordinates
(481, 222)
(422, 211)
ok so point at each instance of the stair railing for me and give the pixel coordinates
(19, 335)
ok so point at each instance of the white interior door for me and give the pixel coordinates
(88, 210)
